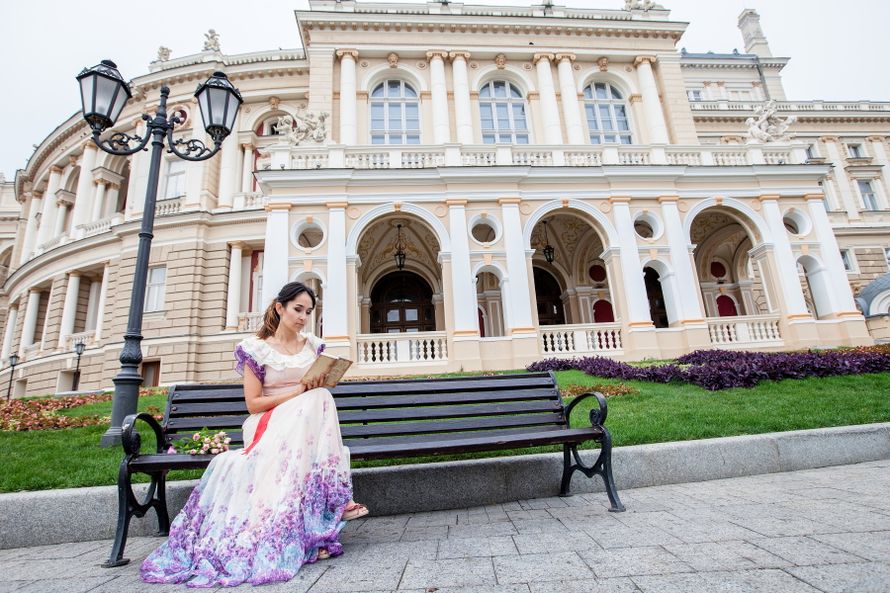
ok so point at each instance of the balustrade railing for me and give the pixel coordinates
(87, 337)
(744, 331)
(168, 206)
(249, 322)
(418, 347)
(580, 338)
(425, 157)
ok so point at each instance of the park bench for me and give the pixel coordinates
(378, 420)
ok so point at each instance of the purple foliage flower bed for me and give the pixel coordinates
(722, 369)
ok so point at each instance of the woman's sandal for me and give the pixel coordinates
(354, 510)
(323, 554)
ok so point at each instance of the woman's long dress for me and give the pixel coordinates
(260, 513)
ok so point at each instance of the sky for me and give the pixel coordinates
(837, 49)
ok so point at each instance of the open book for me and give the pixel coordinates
(334, 366)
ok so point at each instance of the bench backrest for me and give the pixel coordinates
(396, 410)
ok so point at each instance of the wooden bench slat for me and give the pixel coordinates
(493, 435)
(395, 414)
(392, 401)
(443, 426)
(453, 385)
(378, 450)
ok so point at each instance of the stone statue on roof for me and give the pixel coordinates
(765, 126)
(306, 127)
(163, 54)
(211, 40)
(638, 5)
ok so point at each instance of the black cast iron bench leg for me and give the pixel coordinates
(129, 506)
(602, 467)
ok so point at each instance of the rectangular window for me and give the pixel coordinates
(855, 151)
(847, 256)
(175, 179)
(154, 289)
(811, 151)
(694, 95)
(869, 201)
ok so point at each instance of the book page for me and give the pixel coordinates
(334, 366)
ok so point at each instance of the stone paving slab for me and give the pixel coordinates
(794, 532)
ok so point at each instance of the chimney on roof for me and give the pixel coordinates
(755, 40)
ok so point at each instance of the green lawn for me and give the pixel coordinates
(46, 459)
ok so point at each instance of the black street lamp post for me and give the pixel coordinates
(104, 94)
(79, 347)
(13, 360)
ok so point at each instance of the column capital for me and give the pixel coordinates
(37, 194)
(542, 56)
(673, 199)
(277, 207)
(247, 146)
(507, 201)
(72, 160)
(769, 198)
(874, 138)
(101, 181)
(565, 56)
(351, 53)
(619, 199)
(826, 139)
(437, 53)
(635, 99)
(644, 59)
(74, 274)
(456, 202)
(88, 144)
(454, 55)
(56, 169)
(238, 244)
(814, 197)
(336, 205)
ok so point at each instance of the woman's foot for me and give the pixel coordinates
(323, 554)
(354, 510)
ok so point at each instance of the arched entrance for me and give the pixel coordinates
(602, 312)
(402, 302)
(490, 305)
(569, 272)
(729, 279)
(549, 301)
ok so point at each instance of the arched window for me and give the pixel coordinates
(606, 114)
(502, 109)
(395, 113)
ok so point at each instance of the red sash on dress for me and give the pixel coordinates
(260, 429)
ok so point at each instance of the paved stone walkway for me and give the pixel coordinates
(825, 530)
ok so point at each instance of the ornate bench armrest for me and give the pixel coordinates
(130, 438)
(597, 415)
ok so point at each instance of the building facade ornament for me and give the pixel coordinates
(500, 61)
(765, 126)
(603, 64)
(211, 40)
(163, 54)
(306, 127)
(393, 59)
(644, 5)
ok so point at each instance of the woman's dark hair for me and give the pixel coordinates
(288, 292)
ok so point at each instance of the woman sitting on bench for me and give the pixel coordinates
(260, 513)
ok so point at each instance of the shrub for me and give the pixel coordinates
(723, 369)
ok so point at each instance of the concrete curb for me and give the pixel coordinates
(83, 514)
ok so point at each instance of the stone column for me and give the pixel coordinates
(69, 309)
(462, 110)
(11, 318)
(462, 285)
(570, 108)
(636, 302)
(84, 197)
(848, 200)
(841, 296)
(786, 266)
(517, 284)
(228, 171)
(651, 102)
(103, 296)
(552, 130)
(63, 211)
(48, 216)
(879, 150)
(439, 93)
(348, 102)
(277, 249)
(247, 169)
(336, 319)
(233, 298)
(34, 208)
(93, 306)
(689, 305)
(30, 324)
(99, 200)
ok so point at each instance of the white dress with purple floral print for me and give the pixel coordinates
(260, 513)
